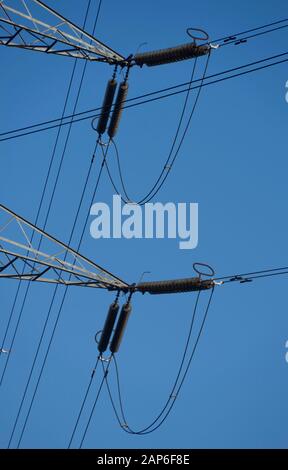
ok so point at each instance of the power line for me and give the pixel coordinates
(173, 396)
(83, 402)
(38, 214)
(258, 273)
(167, 165)
(148, 430)
(177, 376)
(265, 275)
(252, 36)
(73, 229)
(49, 310)
(105, 372)
(93, 116)
(60, 309)
(119, 170)
(283, 20)
(165, 89)
(253, 275)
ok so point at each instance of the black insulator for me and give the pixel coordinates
(174, 286)
(172, 54)
(108, 327)
(118, 108)
(120, 328)
(106, 106)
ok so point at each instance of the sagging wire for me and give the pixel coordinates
(141, 202)
(117, 338)
(155, 424)
(146, 58)
(168, 165)
(201, 269)
(119, 172)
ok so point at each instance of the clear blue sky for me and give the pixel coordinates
(233, 163)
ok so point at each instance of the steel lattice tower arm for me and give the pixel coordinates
(21, 26)
(56, 263)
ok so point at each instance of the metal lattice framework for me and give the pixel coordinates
(21, 27)
(22, 259)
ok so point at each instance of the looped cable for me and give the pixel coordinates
(97, 336)
(205, 38)
(201, 272)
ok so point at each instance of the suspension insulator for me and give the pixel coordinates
(172, 54)
(174, 286)
(120, 328)
(106, 106)
(118, 108)
(108, 327)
